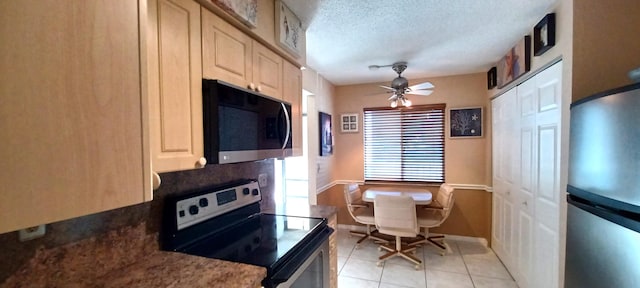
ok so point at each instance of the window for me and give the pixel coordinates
(404, 144)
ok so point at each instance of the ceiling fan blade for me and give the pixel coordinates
(425, 85)
(420, 92)
(387, 87)
(393, 97)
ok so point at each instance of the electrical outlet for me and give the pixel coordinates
(262, 180)
(31, 233)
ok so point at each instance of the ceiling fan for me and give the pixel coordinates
(400, 86)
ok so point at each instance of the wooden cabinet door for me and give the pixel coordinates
(267, 71)
(175, 85)
(71, 112)
(226, 51)
(292, 93)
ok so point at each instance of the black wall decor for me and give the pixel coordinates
(544, 34)
(492, 78)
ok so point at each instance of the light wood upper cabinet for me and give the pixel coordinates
(232, 56)
(175, 85)
(292, 93)
(72, 110)
(267, 71)
(226, 51)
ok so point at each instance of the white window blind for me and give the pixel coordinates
(404, 144)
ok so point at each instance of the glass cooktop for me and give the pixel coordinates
(262, 239)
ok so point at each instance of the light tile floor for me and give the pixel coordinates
(468, 264)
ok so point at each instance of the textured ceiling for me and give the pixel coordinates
(436, 37)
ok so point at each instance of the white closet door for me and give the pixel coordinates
(524, 203)
(505, 159)
(527, 125)
(549, 191)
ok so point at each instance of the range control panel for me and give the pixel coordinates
(199, 208)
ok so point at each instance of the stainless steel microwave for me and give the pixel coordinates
(241, 125)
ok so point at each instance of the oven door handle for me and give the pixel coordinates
(295, 261)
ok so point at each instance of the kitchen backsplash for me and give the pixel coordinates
(16, 254)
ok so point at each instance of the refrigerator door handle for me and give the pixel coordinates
(625, 219)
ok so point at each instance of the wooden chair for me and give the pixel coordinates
(435, 214)
(396, 216)
(361, 212)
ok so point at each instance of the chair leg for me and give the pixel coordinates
(432, 240)
(369, 234)
(399, 251)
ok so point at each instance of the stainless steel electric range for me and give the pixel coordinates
(224, 222)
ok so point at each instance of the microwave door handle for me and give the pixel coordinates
(286, 116)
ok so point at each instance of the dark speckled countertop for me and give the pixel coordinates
(129, 257)
(111, 261)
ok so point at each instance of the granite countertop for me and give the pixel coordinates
(161, 269)
(114, 261)
(169, 269)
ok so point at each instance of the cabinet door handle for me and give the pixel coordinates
(259, 88)
(524, 203)
(201, 162)
(252, 86)
(156, 180)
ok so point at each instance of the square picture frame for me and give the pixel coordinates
(289, 31)
(326, 134)
(465, 122)
(349, 123)
(516, 63)
(544, 34)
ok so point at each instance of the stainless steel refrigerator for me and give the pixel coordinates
(603, 211)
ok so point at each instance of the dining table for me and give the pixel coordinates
(421, 196)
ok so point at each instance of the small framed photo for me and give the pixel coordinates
(492, 78)
(544, 34)
(349, 123)
(465, 122)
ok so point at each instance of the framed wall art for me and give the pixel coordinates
(349, 123)
(244, 10)
(544, 34)
(515, 63)
(326, 136)
(465, 122)
(492, 78)
(289, 32)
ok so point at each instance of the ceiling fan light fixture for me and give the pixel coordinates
(394, 104)
(406, 102)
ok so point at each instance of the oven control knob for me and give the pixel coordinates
(245, 191)
(203, 202)
(256, 240)
(193, 210)
(254, 192)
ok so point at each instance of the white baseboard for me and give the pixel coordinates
(360, 228)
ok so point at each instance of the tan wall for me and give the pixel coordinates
(323, 93)
(471, 215)
(606, 45)
(465, 159)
